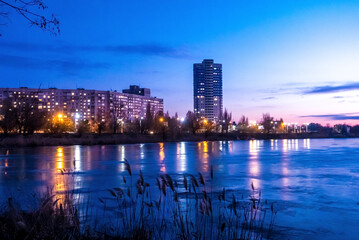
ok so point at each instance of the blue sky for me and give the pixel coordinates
(294, 59)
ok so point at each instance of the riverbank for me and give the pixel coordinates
(110, 139)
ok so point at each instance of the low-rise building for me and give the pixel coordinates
(84, 104)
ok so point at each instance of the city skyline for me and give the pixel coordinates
(294, 60)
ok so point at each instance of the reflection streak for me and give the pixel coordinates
(181, 157)
(254, 165)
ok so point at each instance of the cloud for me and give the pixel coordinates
(268, 98)
(343, 116)
(66, 66)
(138, 49)
(332, 89)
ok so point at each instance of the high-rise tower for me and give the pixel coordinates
(207, 90)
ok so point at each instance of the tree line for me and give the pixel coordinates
(22, 116)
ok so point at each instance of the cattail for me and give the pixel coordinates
(112, 192)
(139, 188)
(119, 191)
(194, 181)
(205, 195)
(164, 180)
(175, 196)
(163, 189)
(210, 204)
(201, 179)
(170, 182)
(141, 178)
(124, 179)
(185, 182)
(128, 167)
(158, 183)
(201, 207)
(54, 203)
(212, 172)
(223, 226)
(158, 204)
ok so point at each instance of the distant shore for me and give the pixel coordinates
(110, 139)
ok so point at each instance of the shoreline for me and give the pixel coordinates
(114, 139)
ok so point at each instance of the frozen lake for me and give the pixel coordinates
(313, 182)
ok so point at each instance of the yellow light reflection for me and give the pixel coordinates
(205, 147)
(162, 152)
(162, 158)
(59, 177)
(205, 156)
(59, 159)
(6, 166)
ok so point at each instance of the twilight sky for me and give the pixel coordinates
(293, 59)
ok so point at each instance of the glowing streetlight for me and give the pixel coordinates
(141, 118)
(161, 119)
(60, 117)
(205, 121)
(182, 119)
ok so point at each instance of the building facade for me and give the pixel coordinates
(134, 89)
(82, 103)
(207, 90)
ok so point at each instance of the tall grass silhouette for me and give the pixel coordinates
(183, 208)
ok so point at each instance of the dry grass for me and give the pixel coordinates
(185, 208)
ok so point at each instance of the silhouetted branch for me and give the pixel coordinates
(50, 24)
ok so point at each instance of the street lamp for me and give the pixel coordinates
(141, 118)
(59, 116)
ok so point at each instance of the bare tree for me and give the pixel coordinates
(149, 118)
(192, 122)
(7, 117)
(267, 122)
(32, 11)
(243, 124)
(226, 120)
